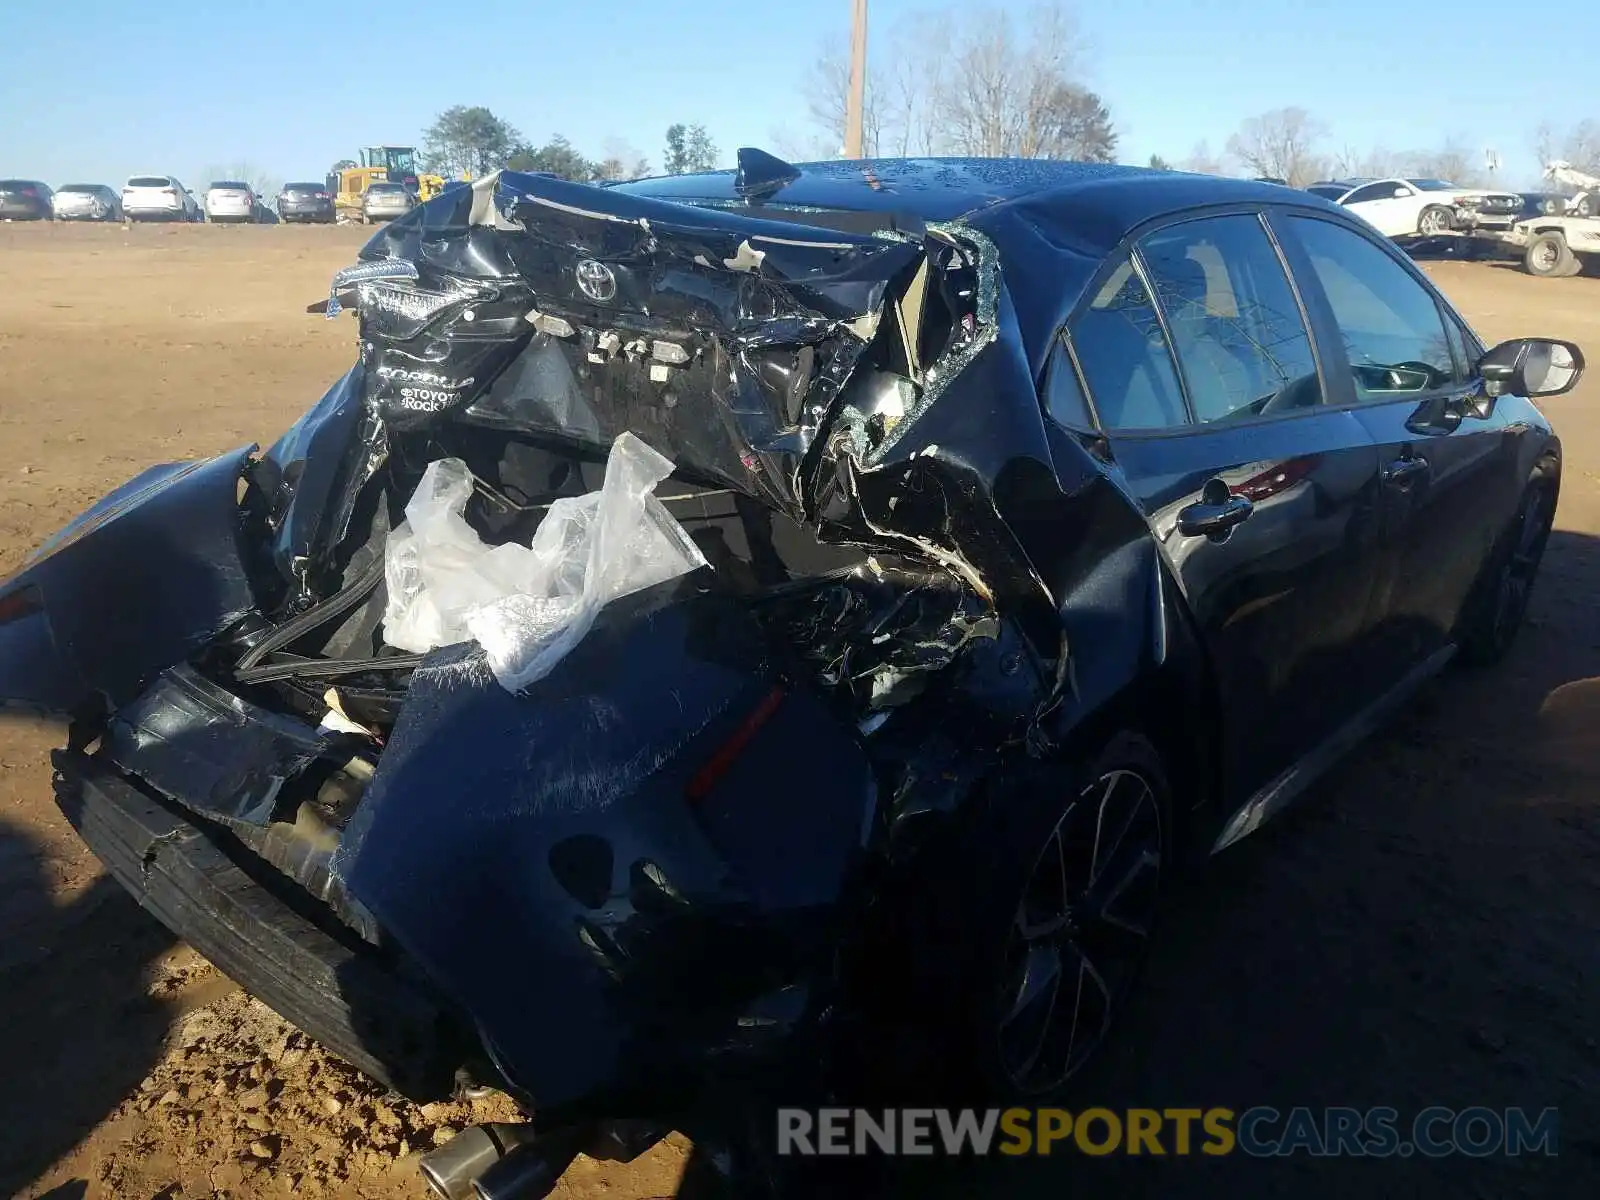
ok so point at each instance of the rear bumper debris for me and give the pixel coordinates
(343, 995)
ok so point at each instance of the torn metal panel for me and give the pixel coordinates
(593, 312)
(218, 754)
(878, 635)
(310, 477)
(143, 579)
(654, 837)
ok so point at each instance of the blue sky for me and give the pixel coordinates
(92, 93)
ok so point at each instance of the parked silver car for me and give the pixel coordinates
(158, 198)
(86, 202)
(230, 200)
(386, 201)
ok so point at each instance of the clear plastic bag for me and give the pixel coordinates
(529, 605)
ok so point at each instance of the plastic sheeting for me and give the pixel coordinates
(529, 605)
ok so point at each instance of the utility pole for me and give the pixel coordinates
(855, 101)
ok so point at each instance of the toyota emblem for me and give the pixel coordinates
(596, 281)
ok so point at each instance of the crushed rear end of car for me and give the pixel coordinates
(631, 882)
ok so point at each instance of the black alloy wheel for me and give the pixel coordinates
(1490, 634)
(1081, 930)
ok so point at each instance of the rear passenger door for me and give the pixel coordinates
(1451, 475)
(1195, 353)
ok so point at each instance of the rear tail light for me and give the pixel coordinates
(320, 196)
(718, 765)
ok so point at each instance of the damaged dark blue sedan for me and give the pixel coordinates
(1044, 525)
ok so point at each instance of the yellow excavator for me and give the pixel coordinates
(349, 179)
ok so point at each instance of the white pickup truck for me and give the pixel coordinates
(1557, 245)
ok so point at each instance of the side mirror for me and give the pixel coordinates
(1531, 367)
(1400, 193)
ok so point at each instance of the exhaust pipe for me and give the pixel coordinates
(451, 1169)
(532, 1170)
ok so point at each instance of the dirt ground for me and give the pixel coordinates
(1423, 929)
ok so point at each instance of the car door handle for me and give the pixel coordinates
(1213, 519)
(1404, 471)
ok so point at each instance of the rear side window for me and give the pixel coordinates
(1126, 362)
(1392, 330)
(1373, 191)
(1235, 322)
(1467, 346)
(1063, 394)
(144, 181)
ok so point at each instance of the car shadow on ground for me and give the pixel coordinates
(78, 1029)
(1418, 930)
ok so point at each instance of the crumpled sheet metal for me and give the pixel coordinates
(310, 478)
(214, 752)
(147, 576)
(527, 606)
(765, 321)
(561, 864)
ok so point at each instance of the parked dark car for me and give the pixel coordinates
(305, 202)
(1543, 204)
(1061, 522)
(24, 200)
(86, 202)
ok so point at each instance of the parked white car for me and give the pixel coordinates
(1408, 208)
(230, 200)
(158, 198)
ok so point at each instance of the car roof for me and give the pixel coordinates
(945, 189)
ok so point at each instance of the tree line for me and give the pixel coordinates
(472, 140)
(978, 79)
(1293, 145)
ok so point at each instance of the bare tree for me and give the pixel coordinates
(802, 145)
(1002, 83)
(962, 80)
(1374, 163)
(826, 90)
(1453, 161)
(1544, 144)
(622, 160)
(1281, 144)
(911, 80)
(1581, 146)
(1201, 161)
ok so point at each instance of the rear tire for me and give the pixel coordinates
(1034, 923)
(1549, 256)
(1501, 603)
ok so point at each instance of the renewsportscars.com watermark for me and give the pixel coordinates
(1261, 1132)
